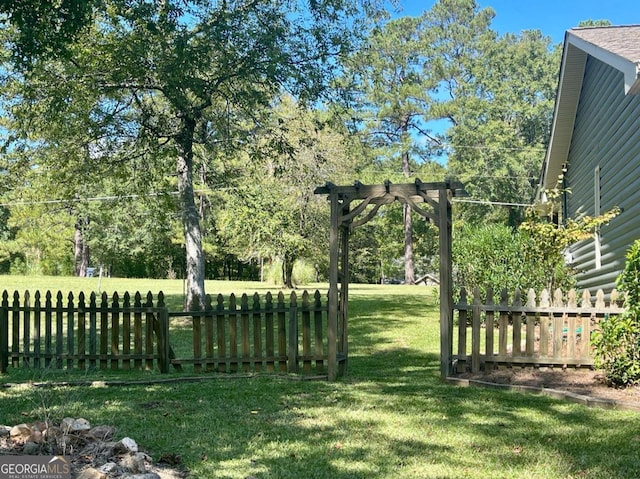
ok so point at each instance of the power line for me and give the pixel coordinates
(487, 202)
(101, 198)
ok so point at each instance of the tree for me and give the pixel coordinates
(45, 28)
(273, 213)
(393, 83)
(176, 74)
(498, 94)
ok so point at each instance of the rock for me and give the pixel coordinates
(126, 444)
(91, 448)
(31, 448)
(134, 463)
(35, 436)
(91, 473)
(107, 468)
(21, 431)
(39, 426)
(69, 424)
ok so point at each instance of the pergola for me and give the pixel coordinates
(353, 206)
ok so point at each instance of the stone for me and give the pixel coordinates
(39, 426)
(148, 475)
(70, 424)
(134, 463)
(108, 467)
(31, 448)
(20, 431)
(91, 473)
(127, 444)
(5, 431)
(35, 436)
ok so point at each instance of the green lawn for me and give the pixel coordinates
(390, 417)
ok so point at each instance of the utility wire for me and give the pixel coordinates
(99, 198)
(175, 193)
(487, 202)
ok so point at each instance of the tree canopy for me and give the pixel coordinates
(179, 137)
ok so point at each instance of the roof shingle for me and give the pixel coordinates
(623, 41)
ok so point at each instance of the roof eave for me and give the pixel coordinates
(566, 104)
(572, 68)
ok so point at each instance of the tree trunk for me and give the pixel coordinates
(80, 248)
(287, 272)
(409, 273)
(190, 220)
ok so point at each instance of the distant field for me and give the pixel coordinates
(68, 284)
(175, 287)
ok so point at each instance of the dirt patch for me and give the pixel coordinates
(578, 381)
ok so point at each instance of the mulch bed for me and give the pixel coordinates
(584, 382)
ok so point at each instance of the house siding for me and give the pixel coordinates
(606, 136)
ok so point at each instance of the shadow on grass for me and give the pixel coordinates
(391, 416)
(510, 429)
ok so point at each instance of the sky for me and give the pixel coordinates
(551, 17)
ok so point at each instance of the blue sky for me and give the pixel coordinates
(551, 17)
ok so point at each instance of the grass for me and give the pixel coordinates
(390, 417)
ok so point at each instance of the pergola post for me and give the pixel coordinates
(446, 297)
(332, 317)
(344, 300)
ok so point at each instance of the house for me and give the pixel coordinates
(595, 138)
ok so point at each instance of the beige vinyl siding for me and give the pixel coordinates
(606, 136)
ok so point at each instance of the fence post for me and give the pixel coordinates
(220, 328)
(26, 329)
(163, 335)
(197, 335)
(270, 338)
(475, 331)
(292, 353)
(209, 334)
(463, 361)
(4, 333)
(489, 324)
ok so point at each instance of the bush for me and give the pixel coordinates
(500, 257)
(303, 273)
(617, 343)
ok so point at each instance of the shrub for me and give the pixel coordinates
(303, 273)
(500, 257)
(617, 343)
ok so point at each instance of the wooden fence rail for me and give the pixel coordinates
(554, 331)
(114, 333)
